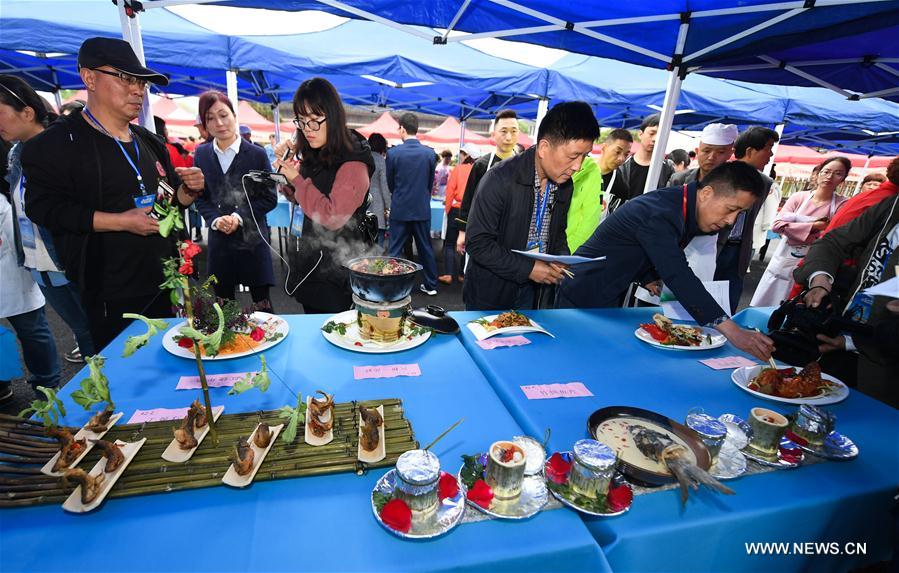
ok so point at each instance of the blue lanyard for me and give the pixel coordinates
(541, 211)
(140, 179)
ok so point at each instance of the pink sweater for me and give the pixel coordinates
(802, 233)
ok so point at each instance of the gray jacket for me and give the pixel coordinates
(380, 193)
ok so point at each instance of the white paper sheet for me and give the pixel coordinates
(564, 259)
(720, 291)
(888, 288)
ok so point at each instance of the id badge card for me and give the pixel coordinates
(26, 231)
(143, 201)
(859, 310)
(534, 247)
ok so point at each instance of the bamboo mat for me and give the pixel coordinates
(24, 450)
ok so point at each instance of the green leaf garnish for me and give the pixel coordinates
(294, 417)
(260, 380)
(132, 343)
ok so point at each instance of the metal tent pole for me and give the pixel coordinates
(461, 133)
(672, 95)
(131, 34)
(542, 108)
(231, 83)
(276, 116)
(779, 128)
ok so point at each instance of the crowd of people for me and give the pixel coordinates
(78, 230)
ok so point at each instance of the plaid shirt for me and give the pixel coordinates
(543, 240)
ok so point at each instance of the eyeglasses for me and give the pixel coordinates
(14, 94)
(312, 124)
(827, 173)
(130, 80)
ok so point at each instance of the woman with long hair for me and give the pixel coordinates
(801, 221)
(331, 185)
(27, 253)
(380, 192)
(455, 190)
(233, 205)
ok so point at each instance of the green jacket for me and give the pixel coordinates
(586, 204)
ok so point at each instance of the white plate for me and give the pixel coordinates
(269, 322)
(718, 340)
(742, 377)
(482, 333)
(352, 341)
(175, 454)
(129, 450)
(381, 451)
(232, 478)
(89, 444)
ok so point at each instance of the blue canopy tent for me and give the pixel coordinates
(678, 35)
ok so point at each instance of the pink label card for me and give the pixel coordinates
(546, 391)
(491, 343)
(728, 362)
(386, 371)
(212, 380)
(157, 415)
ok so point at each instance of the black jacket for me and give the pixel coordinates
(478, 169)
(499, 222)
(65, 188)
(644, 239)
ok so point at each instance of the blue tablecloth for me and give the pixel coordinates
(831, 501)
(436, 217)
(313, 523)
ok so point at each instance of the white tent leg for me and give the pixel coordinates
(779, 128)
(864, 173)
(276, 116)
(461, 133)
(231, 83)
(58, 99)
(542, 108)
(672, 95)
(131, 34)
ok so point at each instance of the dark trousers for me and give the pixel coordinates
(106, 316)
(421, 233)
(66, 301)
(38, 347)
(451, 262)
(728, 269)
(259, 295)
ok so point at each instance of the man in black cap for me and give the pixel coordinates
(93, 178)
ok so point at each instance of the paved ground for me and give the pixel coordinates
(448, 296)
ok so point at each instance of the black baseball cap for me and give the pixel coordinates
(96, 52)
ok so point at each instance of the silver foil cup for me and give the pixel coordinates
(418, 473)
(711, 431)
(592, 468)
(505, 478)
(813, 424)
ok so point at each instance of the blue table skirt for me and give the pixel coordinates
(313, 523)
(437, 212)
(831, 501)
(10, 363)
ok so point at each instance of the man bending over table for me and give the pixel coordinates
(644, 240)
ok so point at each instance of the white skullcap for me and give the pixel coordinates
(719, 134)
(471, 150)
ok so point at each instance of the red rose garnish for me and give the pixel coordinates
(186, 268)
(185, 342)
(619, 498)
(257, 334)
(189, 250)
(448, 486)
(481, 494)
(557, 469)
(397, 515)
(790, 455)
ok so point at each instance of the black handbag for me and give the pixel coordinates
(794, 328)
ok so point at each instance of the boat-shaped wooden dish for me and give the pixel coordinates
(89, 437)
(234, 479)
(378, 453)
(129, 450)
(175, 454)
